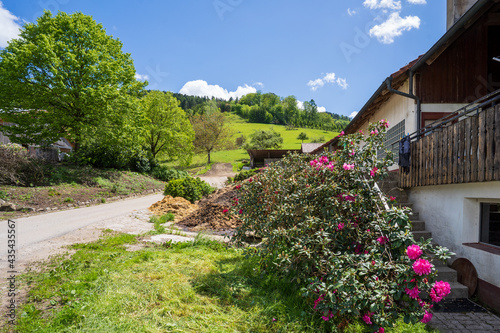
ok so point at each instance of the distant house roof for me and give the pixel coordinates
(310, 147)
(270, 153)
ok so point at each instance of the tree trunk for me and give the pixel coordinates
(208, 157)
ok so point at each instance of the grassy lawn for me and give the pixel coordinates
(242, 127)
(199, 286)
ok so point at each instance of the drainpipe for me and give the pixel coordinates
(388, 82)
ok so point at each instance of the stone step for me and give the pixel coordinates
(417, 225)
(405, 204)
(458, 290)
(446, 273)
(414, 215)
(388, 184)
(419, 234)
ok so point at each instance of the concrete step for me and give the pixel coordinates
(419, 234)
(388, 184)
(417, 225)
(458, 290)
(405, 204)
(446, 273)
(414, 215)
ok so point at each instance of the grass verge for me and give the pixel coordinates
(199, 286)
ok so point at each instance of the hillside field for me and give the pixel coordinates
(242, 127)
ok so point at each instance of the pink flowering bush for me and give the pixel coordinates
(324, 226)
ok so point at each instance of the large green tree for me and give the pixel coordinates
(211, 130)
(262, 139)
(169, 133)
(65, 77)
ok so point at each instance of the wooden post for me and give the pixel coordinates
(474, 148)
(490, 119)
(497, 143)
(467, 155)
(481, 147)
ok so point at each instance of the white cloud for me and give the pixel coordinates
(417, 2)
(387, 4)
(202, 88)
(9, 28)
(394, 27)
(328, 78)
(141, 77)
(354, 114)
(342, 83)
(318, 83)
(321, 109)
(351, 12)
(258, 84)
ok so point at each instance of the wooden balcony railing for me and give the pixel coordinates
(463, 150)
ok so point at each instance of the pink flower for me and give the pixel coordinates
(422, 267)
(373, 171)
(241, 211)
(316, 302)
(381, 330)
(352, 153)
(382, 240)
(361, 132)
(313, 162)
(348, 166)
(341, 133)
(384, 123)
(427, 317)
(238, 187)
(413, 293)
(274, 319)
(367, 318)
(331, 166)
(392, 198)
(374, 132)
(250, 180)
(340, 226)
(439, 290)
(225, 211)
(413, 252)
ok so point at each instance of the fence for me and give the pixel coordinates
(464, 149)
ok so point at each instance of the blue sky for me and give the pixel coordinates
(335, 52)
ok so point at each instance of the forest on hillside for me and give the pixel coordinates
(269, 108)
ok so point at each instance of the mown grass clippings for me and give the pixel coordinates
(198, 286)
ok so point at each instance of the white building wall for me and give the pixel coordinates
(452, 214)
(395, 110)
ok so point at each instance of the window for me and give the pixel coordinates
(490, 223)
(392, 137)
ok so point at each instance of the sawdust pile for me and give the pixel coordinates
(179, 206)
(207, 214)
(210, 214)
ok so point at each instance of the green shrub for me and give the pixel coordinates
(167, 174)
(245, 174)
(192, 189)
(325, 226)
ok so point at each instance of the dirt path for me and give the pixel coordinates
(218, 174)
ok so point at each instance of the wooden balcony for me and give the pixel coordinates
(464, 149)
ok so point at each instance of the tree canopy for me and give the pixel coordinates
(169, 133)
(65, 77)
(211, 131)
(264, 140)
